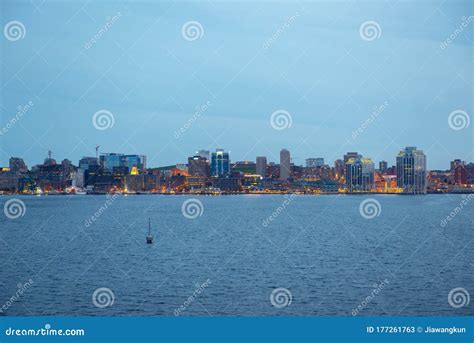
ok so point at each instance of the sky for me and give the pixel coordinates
(166, 78)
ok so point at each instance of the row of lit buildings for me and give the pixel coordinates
(213, 172)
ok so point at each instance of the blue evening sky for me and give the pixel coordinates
(253, 58)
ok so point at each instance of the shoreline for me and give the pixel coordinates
(229, 193)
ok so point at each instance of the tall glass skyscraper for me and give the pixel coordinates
(110, 160)
(220, 163)
(359, 174)
(411, 171)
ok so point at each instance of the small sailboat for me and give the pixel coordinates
(149, 237)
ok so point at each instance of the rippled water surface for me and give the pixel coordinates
(319, 248)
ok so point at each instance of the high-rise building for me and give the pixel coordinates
(17, 165)
(137, 161)
(459, 172)
(285, 164)
(359, 174)
(314, 162)
(383, 166)
(411, 171)
(346, 158)
(203, 153)
(262, 166)
(198, 166)
(110, 160)
(220, 163)
(338, 169)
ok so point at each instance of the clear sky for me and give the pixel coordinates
(246, 61)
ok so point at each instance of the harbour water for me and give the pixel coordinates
(226, 255)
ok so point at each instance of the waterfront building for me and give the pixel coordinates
(470, 173)
(273, 170)
(338, 169)
(220, 163)
(110, 160)
(130, 161)
(9, 181)
(314, 162)
(459, 172)
(411, 171)
(228, 183)
(17, 165)
(86, 162)
(261, 164)
(346, 158)
(359, 174)
(285, 165)
(383, 166)
(198, 166)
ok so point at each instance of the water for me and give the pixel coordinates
(319, 248)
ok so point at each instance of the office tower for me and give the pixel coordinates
(314, 162)
(459, 172)
(203, 153)
(17, 165)
(338, 169)
(455, 163)
(285, 164)
(411, 171)
(383, 166)
(131, 161)
(198, 166)
(359, 173)
(220, 163)
(262, 166)
(110, 160)
(346, 158)
(86, 162)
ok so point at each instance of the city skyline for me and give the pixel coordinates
(339, 90)
(273, 158)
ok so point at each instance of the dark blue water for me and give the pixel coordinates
(319, 248)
